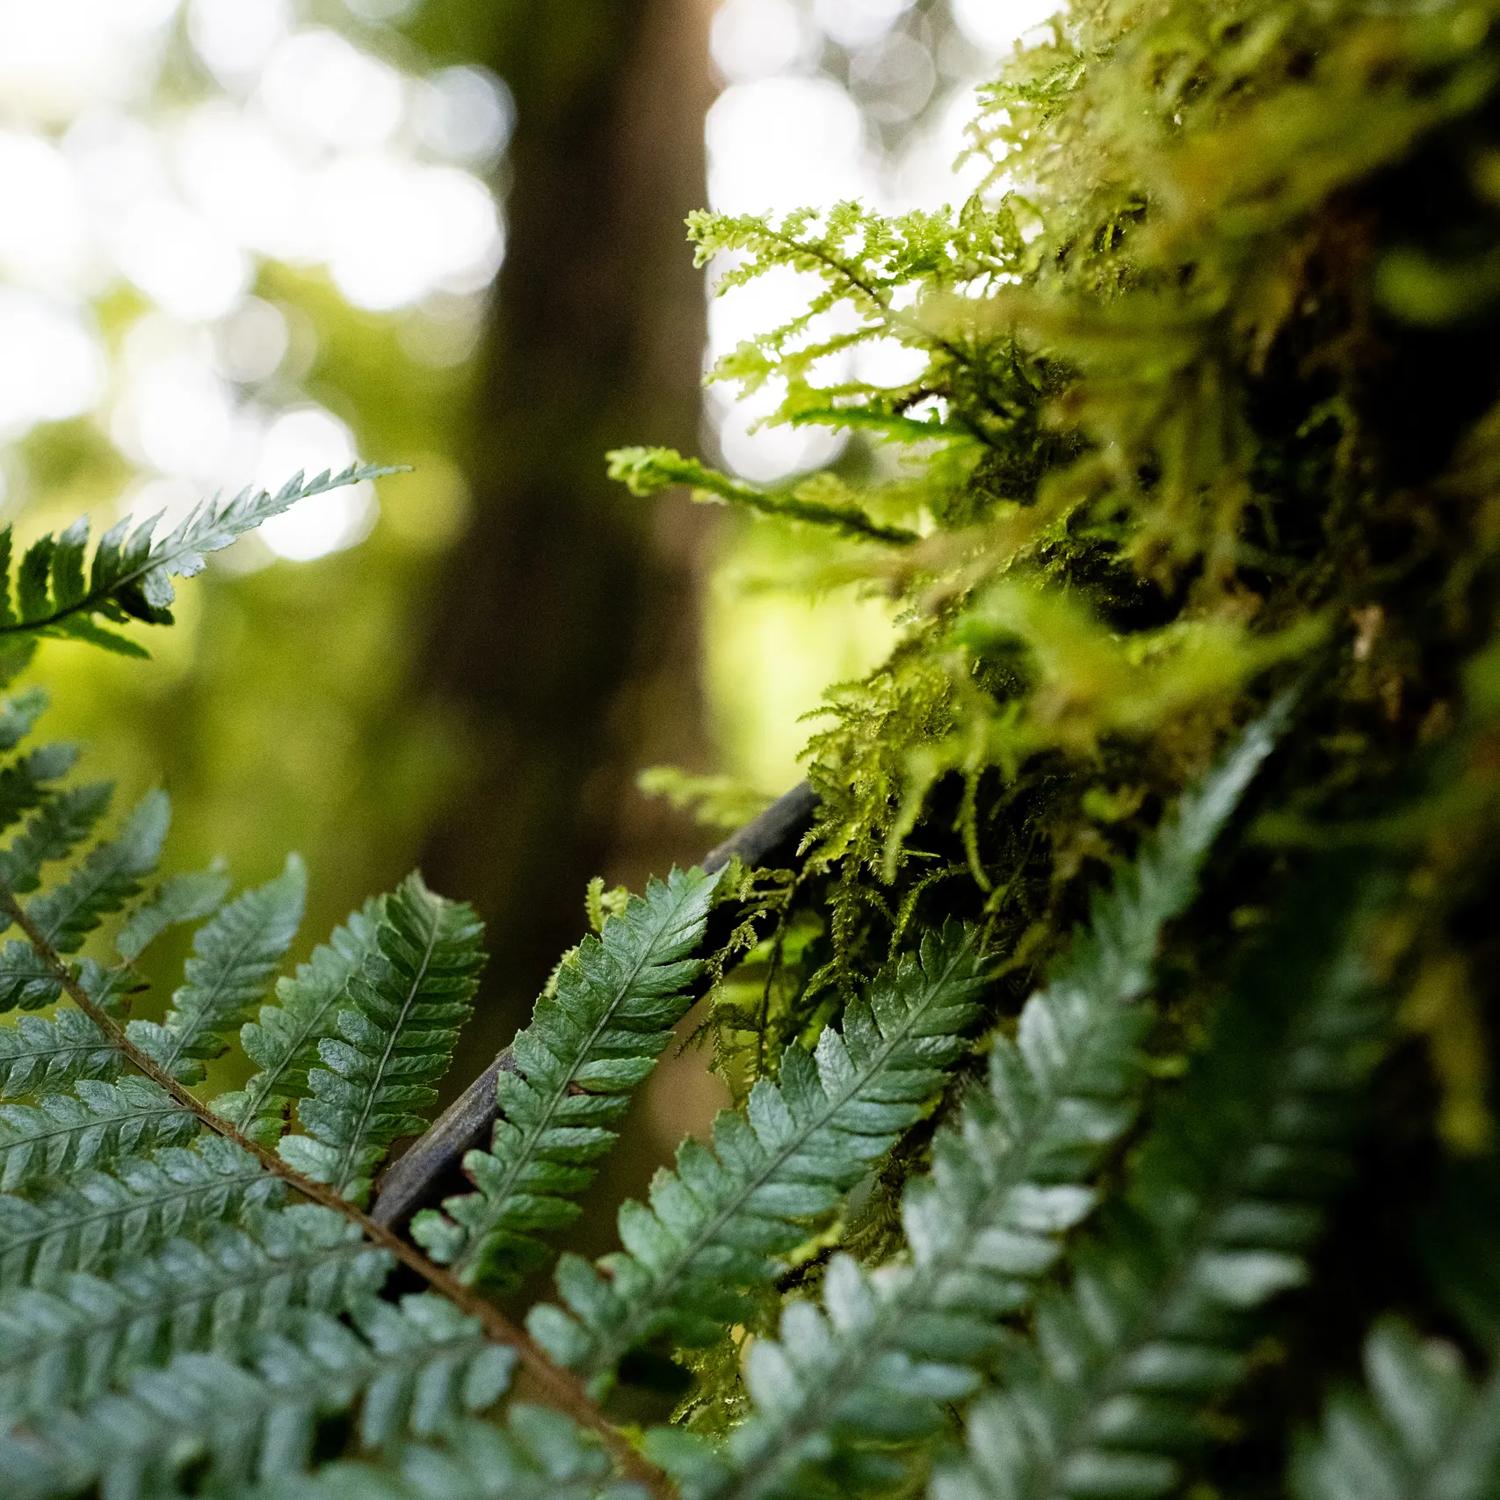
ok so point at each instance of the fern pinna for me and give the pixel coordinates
(1111, 1099)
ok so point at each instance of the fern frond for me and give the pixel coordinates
(648, 471)
(178, 899)
(91, 1126)
(396, 1035)
(51, 833)
(716, 1226)
(412, 1369)
(70, 1343)
(537, 1455)
(101, 883)
(37, 1054)
(284, 1039)
(26, 783)
(88, 1222)
(885, 1356)
(1423, 1430)
(588, 1046)
(19, 714)
(1224, 1203)
(235, 954)
(59, 591)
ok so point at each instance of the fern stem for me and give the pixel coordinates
(558, 1386)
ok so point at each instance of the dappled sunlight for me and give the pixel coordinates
(51, 365)
(822, 102)
(834, 100)
(275, 142)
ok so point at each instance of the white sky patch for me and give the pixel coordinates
(44, 234)
(888, 362)
(173, 412)
(306, 149)
(252, 342)
(168, 499)
(854, 23)
(311, 439)
(60, 56)
(995, 24)
(242, 175)
(934, 167)
(463, 114)
(756, 38)
(320, 88)
(782, 137)
(775, 144)
(392, 230)
(117, 161)
(51, 363)
(234, 38)
(182, 261)
(768, 454)
(782, 142)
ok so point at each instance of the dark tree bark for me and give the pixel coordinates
(563, 642)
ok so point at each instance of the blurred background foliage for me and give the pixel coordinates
(242, 237)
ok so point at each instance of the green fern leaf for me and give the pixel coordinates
(647, 471)
(235, 954)
(587, 1047)
(101, 883)
(717, 1226)
(883, 1360)
(37, 1054)
(1224, 1203)
(395, 1039)
(284, 1040)
(24, 784)
(19, 712)
(90, 1127)
(537, 1455)
(412, 1369)
(87, 1223)
(178, 899)
(34, 575)
(52, 833)
(59, 592)
(1423, 1431)
(71, 1343)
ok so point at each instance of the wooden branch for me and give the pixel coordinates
(431, 1168)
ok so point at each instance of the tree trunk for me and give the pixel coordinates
(563, 638)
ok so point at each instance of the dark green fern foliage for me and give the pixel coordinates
(170, 1315)
(86, 1127)
(391, 1042)
(1424, 1427)
(235, 955)
(99, 885)
(38, 1054)
(68, 1345)
(60, 591)
(536, 1455)
(718, 1227)
(1220, 1210)
(884, 1360)
(409, 1367)
(1078, 1015)
(284, 1040)
(590, 1043)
